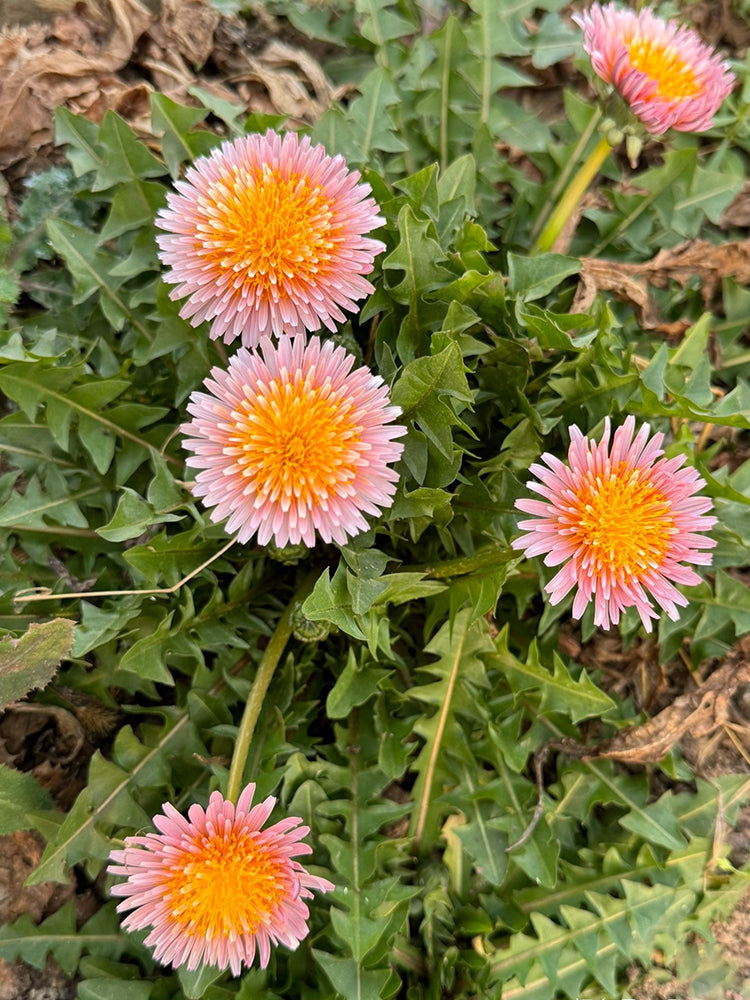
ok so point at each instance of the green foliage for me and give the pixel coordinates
(33, 660)
(20, 798)
(428, 674)
(59, 936)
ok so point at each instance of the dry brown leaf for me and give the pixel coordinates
(189, 27)
(606, 276)
(738, 213)
(38, 75)
(697, 714)
(293, 80)
(629, 282)
(20, 853)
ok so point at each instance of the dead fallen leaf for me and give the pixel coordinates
(607, 276)
(20, 854)
(698, 714)
(738, 213)
(629, 282)
(189, 25)
(720, 24)
(39, 74)
(288, 81)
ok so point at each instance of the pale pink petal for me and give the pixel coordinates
(624, 529)
(292, 440)
(266, 235)
(216, 888)
(665, 73)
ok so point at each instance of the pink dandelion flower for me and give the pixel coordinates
(622, 523)
(266, 235)
(667, 75)
(290, 441)
(216, 887)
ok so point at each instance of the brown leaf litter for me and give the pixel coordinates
(693, 708)
(70, 64)
(93, 56)
(629, 282)
(698, 714)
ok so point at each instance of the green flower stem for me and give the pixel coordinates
(484, 559)
(567, 170)
(572, 195)
(266, 668)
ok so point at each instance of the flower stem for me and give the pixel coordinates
(567, 170)
(572, 195)
(263, 677)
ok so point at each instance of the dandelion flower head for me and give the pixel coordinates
(622, 523)
(216, 888)
(668, 76)
(266, 235)
(290, 440)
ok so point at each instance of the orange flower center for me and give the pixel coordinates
(621, 523)
(226, 884)
(297, 442)
(270, 230)
(674, 78)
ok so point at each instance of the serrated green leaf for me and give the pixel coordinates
(57, 934)
(99, 625)
(168, 558)
(533, 277)
(458, 646)
(124, 157)
(379, 23)
(82, 139)
(349, 979)
(91, 270)
(145, 657)
(656, 822)
(131, 518)
(356, 684)
(195, 983)
(554, 40)
(174, 122)
(134, 205)
(330, 601)
(579, 698)
(33, 660)
(484, 844)
(418, 255)
(432, 391)
(20, 797)
(114, 989)
(110, 793)
(33, 509)
(369, 120)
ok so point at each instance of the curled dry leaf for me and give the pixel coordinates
(698, 714)
(39, 73)
(20, 853)
(608, 276)
(178, 43)
(738, 213)
(189, 26)
(291, 82)
(629, 282)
